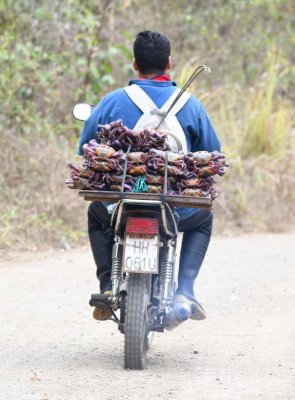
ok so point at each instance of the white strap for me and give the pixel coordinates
(180, 102)
(140, 98)
(152, 115)
(145, 103)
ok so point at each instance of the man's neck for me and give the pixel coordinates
(155, 77)
(151, 76)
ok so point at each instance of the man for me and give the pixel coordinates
(152, 62)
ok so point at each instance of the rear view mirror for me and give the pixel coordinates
(82, 111)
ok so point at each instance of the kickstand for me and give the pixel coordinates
(115, 318)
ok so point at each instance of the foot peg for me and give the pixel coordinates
(102, 301)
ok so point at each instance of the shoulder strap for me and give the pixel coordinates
(140, 98)
(145, 103)
(152, 116)
(178, 105)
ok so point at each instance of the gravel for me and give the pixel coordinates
(52, 349)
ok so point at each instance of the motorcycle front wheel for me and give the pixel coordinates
(136, 325)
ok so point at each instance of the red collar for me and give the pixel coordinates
(159, 78)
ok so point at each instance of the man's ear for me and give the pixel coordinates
(169, 64)
(135, 66)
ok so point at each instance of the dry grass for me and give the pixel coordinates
(256, 127)
(37, 210)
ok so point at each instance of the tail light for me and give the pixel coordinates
(149, 226)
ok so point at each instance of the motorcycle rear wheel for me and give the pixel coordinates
(137, 321)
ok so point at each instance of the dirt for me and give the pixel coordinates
(51, 348)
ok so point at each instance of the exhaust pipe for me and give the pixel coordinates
(180, 313)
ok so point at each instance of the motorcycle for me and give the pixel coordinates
(143, 274)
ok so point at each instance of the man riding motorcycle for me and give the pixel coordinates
(152, 62)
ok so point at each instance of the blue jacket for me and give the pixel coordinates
(198, 129)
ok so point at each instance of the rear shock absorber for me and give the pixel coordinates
(167, 267)
(116, 267)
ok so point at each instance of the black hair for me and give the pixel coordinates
(151, 52)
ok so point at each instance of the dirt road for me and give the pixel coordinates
(51, 349)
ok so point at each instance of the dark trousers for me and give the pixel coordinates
(196, 237)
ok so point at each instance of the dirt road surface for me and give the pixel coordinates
(51, 348)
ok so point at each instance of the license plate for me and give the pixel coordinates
(141, 253)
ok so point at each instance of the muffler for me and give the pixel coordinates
(180, 313)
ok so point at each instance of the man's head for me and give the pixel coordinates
(151, 52)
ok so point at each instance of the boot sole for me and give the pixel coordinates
(101, 315)
(198, 313)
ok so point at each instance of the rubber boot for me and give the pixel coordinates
(196, 238)
(101, 243)
(193, 250)
(102, 253)
(197, 232)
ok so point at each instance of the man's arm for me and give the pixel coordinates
(90, 126)
(206, 138)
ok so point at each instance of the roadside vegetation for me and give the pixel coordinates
(55, 54)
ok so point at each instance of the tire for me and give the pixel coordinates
(136, 321)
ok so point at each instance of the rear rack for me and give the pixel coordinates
(175, 200)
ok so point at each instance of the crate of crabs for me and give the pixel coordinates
(124, 163)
